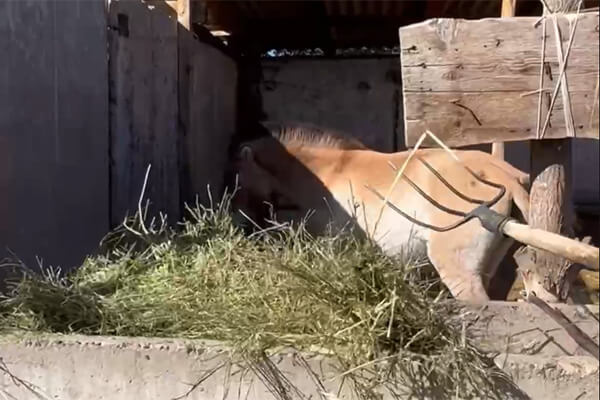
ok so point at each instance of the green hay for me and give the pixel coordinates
(382, 318)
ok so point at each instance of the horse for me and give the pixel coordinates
(299, 170)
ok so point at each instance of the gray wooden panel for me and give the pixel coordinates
(207, 90)
(143, 85)
(53, 129)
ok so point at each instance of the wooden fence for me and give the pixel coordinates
(84, 110)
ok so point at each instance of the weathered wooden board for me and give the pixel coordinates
(471, 82)
(207, 101)
(53, 130)
(144, 109)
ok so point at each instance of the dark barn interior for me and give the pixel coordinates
(261, 25)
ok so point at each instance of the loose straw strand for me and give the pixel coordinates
(443, 146)
(401, 171)
(541, 89)
(595, 103)
(395, 182)
(567, 111)
(563, 65)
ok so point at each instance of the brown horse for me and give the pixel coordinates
(299, 170)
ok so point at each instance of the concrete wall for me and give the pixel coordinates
(69, 367)
(364, 98)
(53, 129)
(360, 96)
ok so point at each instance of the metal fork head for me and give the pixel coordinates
(488, 217)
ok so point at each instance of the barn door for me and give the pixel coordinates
(143, 108)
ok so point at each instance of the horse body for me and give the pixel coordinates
(328, 178)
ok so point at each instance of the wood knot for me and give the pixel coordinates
(411, 50)
(450, 76)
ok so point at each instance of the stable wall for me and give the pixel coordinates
(360, 96)
(173, 107)
(85, 109)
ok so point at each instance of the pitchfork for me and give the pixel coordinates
(571, 249)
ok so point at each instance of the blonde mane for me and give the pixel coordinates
(312, 136)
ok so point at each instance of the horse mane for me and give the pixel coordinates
(303, 134)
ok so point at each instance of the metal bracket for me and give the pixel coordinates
(490, 219)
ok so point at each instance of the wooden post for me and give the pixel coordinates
(181, 8)
(184, 13)
(551, 209)
(508, 10)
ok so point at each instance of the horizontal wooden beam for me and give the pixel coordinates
(478, 81)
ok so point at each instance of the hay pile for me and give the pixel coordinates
(379, 316)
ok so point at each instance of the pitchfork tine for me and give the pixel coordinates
(463, 196)
(455, 225)
(431, 200)
(490, 219)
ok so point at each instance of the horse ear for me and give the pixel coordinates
(246, 153)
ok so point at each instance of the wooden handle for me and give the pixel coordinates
(571, 249)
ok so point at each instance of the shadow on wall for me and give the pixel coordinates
(361, 96)
(274, 175)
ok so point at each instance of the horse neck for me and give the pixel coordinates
(286, 160)
(297, 170)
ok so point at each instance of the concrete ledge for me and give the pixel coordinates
(102, 368)
(574, 377)
(522, 328)
(73, 367)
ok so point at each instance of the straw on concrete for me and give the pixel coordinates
(385, 320)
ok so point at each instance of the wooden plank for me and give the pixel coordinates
(472, 118)
(494, 64)
(207, 98)
(520, 76)
(143, 79)
(53, 130)
(490, 40)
